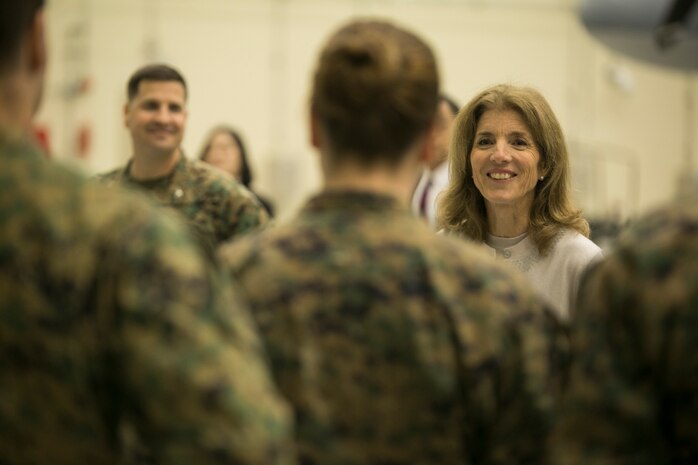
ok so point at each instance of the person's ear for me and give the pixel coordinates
(315, 132)
(542, 171)
(36, 43)
(429, 146)
(126, 106)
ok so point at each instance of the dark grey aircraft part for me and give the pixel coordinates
(661, 32)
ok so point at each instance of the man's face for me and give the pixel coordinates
(156, 117)
(444, 128)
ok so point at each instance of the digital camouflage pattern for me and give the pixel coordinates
(395, 345)
(217, 207)
(633, 395)
(114, 333)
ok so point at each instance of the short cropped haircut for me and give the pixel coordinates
(375, 91)
(153, 72)
(15, 18)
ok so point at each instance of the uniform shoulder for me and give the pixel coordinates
(462, 249)
(110, 177)
(112, 210)
(674, 223)
(474, 266)
(66, 210)
(209, 173)
(659, 245)
(216, 179)
(239, 252)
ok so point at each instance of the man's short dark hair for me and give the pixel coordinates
(154, 72)
(15, 18)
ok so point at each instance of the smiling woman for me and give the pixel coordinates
(505, 167)
(510, 188)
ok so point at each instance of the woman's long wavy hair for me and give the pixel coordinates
(462, 207)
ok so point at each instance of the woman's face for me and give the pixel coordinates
(224, 153)
(505, 160)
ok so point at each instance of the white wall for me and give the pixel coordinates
(249, 63)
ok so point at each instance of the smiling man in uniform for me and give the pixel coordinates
(216, 207)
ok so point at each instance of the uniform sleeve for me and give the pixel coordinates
(512, 395)
(513, 357)
(611, 413)
(195, 384)
(245, 213)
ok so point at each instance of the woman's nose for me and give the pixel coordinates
(500, 153)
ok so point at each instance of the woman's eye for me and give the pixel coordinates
(521, 143)
(484, 141)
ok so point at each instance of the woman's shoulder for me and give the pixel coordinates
(571, 242)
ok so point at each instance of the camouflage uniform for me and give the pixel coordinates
(217, 207)
(113, 329)
(634, 382)
(396, 345)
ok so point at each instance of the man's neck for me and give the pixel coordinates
(146, 166)
(394, 183)
(438, 161)
(15, 108)
(436, 168)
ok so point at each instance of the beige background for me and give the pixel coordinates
(630, 125)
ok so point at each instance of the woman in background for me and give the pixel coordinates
(510, 188)
(225, 149)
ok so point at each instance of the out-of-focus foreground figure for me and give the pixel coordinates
(392, 343)
(634, 382)
(116, 340)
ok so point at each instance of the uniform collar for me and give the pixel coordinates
(352, 200)
(166, 179)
